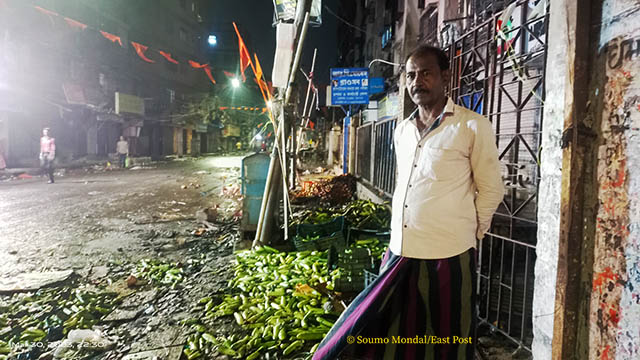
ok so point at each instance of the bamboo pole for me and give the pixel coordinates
(266, 203)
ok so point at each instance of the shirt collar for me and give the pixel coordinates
(449, 109)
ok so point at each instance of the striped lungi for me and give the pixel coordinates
(415, 309)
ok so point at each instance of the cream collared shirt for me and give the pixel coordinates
(448, 185)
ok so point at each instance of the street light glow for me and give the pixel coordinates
(235, 83)
(269, 104)
(213, 40)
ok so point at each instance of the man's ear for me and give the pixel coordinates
(446, 76)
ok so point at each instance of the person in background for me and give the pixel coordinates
(47, 154)
(3, 164)
(122, 147)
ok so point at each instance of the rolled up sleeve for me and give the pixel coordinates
(486, 174)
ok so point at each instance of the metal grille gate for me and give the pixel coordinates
(500, 74)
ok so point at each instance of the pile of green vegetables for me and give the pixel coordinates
(365, 214)
(375, 246)
(359, 214)
(160, 272)
(49, 314)
(274, 299)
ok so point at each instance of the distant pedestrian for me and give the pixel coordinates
(3, 164)
(122, 147)
(47, 153)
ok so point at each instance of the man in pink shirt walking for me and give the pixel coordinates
(47, 153)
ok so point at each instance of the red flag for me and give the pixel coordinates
(140, 49)
(168, 57)
(197, 65)
(223, 107)
(312, 125)
(228, 74)
(111, 37)
(75, 24)
(49, 13)
(207, 69)
(245, 58)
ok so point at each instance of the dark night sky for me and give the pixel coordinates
(256, 17)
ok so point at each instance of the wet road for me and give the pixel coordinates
(85, 219)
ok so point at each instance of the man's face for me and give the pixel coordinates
(45, 132)
(425, 80)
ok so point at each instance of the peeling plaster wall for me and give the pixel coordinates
(614, 332)
(550, 189)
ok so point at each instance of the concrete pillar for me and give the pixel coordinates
(559, 250)
(92, 140)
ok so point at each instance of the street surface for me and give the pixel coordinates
(86, 219)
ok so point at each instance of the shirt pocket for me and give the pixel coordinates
(441, 164)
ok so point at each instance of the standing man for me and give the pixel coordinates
(47, 153)
(448, 187)
(122, 147)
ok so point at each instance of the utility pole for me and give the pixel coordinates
(278, 155)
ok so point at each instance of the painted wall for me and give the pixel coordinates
(614, 332)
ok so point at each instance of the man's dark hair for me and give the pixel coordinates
(440, 55)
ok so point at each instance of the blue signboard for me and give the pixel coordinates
(376, 85)
(349, 86)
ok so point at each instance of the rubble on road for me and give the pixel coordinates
(168, 353)
(33, 281)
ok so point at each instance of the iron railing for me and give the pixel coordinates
(364, 154)
(376, 157)
(384, 157)
(502, 77)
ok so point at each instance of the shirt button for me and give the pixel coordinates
(406, 206)
(419, 146)
(410, 185)
(405, 226)
(415, 165)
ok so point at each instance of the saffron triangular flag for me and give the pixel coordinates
(258, 68)
(113, 38)
(228, 74)
(168, 57)
(245, 58)
(49, 13)
(140, 49)
(75, 24)
(197, 65)
(208, 71)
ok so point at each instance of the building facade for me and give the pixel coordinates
(72, 66)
